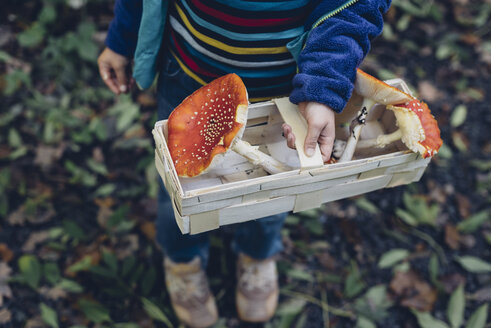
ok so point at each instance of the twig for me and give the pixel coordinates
(431, 242)
(325, 314)
(325, 307)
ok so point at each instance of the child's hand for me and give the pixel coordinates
(113, 68)
(320, 120)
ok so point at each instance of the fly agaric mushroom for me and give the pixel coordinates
(373, 91)
(418, 129)
(208, 123)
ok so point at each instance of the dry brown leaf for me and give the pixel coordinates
(98, 155)
(428, 91)
(5, 290)
(452, 236)
(482, 295)
(149, 230)
(327, 261)
(5, 316)
(36, 322)
(452, 281)
(464, 205)
(127, 245)
(412, 291)
(6, 254)
(34, 239)
(47, 155)
(54, 293)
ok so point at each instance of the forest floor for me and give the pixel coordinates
(78, 188)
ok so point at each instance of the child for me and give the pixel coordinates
(195, 41)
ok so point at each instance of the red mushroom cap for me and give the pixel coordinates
(206, 123)
(428, 140)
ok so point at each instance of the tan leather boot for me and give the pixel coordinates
(257, 289)
(190, 294)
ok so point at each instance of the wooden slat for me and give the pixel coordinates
(291, 115)
(202, 222)
(315, 199)
(256, 210)
(210, 206)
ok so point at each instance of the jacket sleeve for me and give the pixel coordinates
(327, 65)
(123, 30)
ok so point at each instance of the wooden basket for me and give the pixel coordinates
(237, 191)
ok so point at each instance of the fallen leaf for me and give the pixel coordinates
(47, 155)
(428, 91)
(5, 290)
(34, 239)
(54, 293)
(327, 261)
(5, 316)
(127, 245)
(482, 295)
(6, 254)
(412, 291)
(464, 205)
(148, 229)
(452, 236)
(452, 281)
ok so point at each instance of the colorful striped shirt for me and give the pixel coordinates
(210, 38)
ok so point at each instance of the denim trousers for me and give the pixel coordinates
(258, 239)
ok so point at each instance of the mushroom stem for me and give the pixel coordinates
(356, 127)
(256, 157)
(381, 141)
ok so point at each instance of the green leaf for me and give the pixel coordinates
(70, 286)
(126, 325)
(445, 152)
(474, 222)
(300, 275)
(292, 306)
(51, 272)
(73, 229)
(354, 283)
(459, 115)
(82, 265)
(47, 14)
(49, 315)
(94, 311)
(456, 306)
(105, 190)
(433, 268)
(406, 217)
(478, 318)
(426, 320)
(148, 280)
(111, 260)
(33, 36)
(374, 304)
(473, 264)
(30, 269)
(363, 322)
(367, 205)
(392, 257)
(154, 312)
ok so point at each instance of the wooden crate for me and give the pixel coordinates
(237, 191)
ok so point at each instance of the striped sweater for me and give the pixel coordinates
(244, 37)
(212, 37)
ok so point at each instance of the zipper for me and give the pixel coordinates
(334, 12)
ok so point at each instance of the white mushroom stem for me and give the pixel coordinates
(257, 157)
(379, 142)
(358, 122)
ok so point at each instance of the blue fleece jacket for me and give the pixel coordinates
(327, 64)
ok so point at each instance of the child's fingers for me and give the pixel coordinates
(122, 81)
(289, 136)
(108, 78)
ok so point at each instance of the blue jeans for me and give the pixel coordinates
(258, 239)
